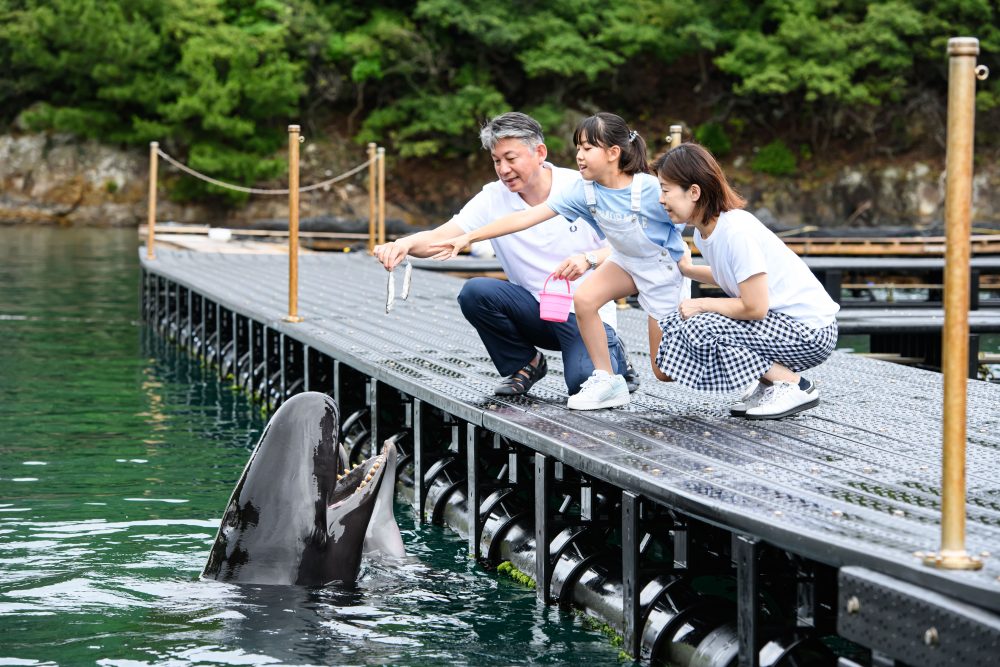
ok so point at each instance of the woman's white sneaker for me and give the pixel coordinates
(782, 399)
(748, 400)
(600, 390)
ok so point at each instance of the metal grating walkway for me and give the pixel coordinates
(852, 482)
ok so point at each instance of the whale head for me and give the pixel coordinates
(297, 516)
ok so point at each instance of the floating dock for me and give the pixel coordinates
(701, 538)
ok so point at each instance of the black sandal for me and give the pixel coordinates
(521, 381)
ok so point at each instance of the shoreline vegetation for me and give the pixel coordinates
(832, 115)
(59, 179)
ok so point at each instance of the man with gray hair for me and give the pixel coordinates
(505, 313)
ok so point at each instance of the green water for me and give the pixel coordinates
(116, 460)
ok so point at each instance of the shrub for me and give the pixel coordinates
(713, 137)
(775, 159)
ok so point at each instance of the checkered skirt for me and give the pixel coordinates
(712, 352)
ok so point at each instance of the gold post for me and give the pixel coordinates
(293, 224)
(151, 208)
(962, 53)
(675, 135)
(381, 195)
(372, 189)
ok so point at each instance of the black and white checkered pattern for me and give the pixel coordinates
(712, 352)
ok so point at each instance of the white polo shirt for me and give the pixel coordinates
(529, 256)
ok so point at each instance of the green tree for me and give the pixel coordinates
(818, 57)
(211, 81)
(452, 63)
(217, 81)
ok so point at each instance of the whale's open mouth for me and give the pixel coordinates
(365, 475)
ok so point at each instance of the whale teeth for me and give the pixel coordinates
(355, 466)
(340, 477)
(376, 465)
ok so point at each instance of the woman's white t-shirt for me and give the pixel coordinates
(741, 246)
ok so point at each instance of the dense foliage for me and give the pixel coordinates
(217, 81)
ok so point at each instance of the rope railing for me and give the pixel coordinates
(260, 191)
(375, 164)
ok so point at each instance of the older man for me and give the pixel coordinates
(505, 313)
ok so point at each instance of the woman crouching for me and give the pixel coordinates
(776, 319)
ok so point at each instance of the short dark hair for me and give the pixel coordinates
(606, 130)
(511, 125)
(691, 163)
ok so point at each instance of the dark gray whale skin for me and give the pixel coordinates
(290, 520)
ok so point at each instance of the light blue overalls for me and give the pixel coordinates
(660, 283)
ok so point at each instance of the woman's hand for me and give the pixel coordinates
(690, 307)
(572, 267)
(449, 247)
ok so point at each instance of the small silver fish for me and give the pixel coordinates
(407, 274)
(390, 297)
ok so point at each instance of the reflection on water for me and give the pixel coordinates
(115, 466)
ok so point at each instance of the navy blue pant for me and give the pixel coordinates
(506, 317)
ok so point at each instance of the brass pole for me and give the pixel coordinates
(381, 195)
(293, 223)
(675, 135)
(151, 208)
(962, 52)
(372, 189)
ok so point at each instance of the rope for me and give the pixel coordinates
(259, 191)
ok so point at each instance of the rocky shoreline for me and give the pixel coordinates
(60, 180)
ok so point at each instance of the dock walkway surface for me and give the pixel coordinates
(855, 481)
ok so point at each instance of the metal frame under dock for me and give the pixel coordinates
(702, 538)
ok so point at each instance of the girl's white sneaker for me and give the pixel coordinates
(600, 390)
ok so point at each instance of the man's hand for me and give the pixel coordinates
(392, 253)
(572, 267)
(449, 247)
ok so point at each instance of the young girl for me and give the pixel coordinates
(620, 199)
(776, 320)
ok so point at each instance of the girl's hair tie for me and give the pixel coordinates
(632, 135)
